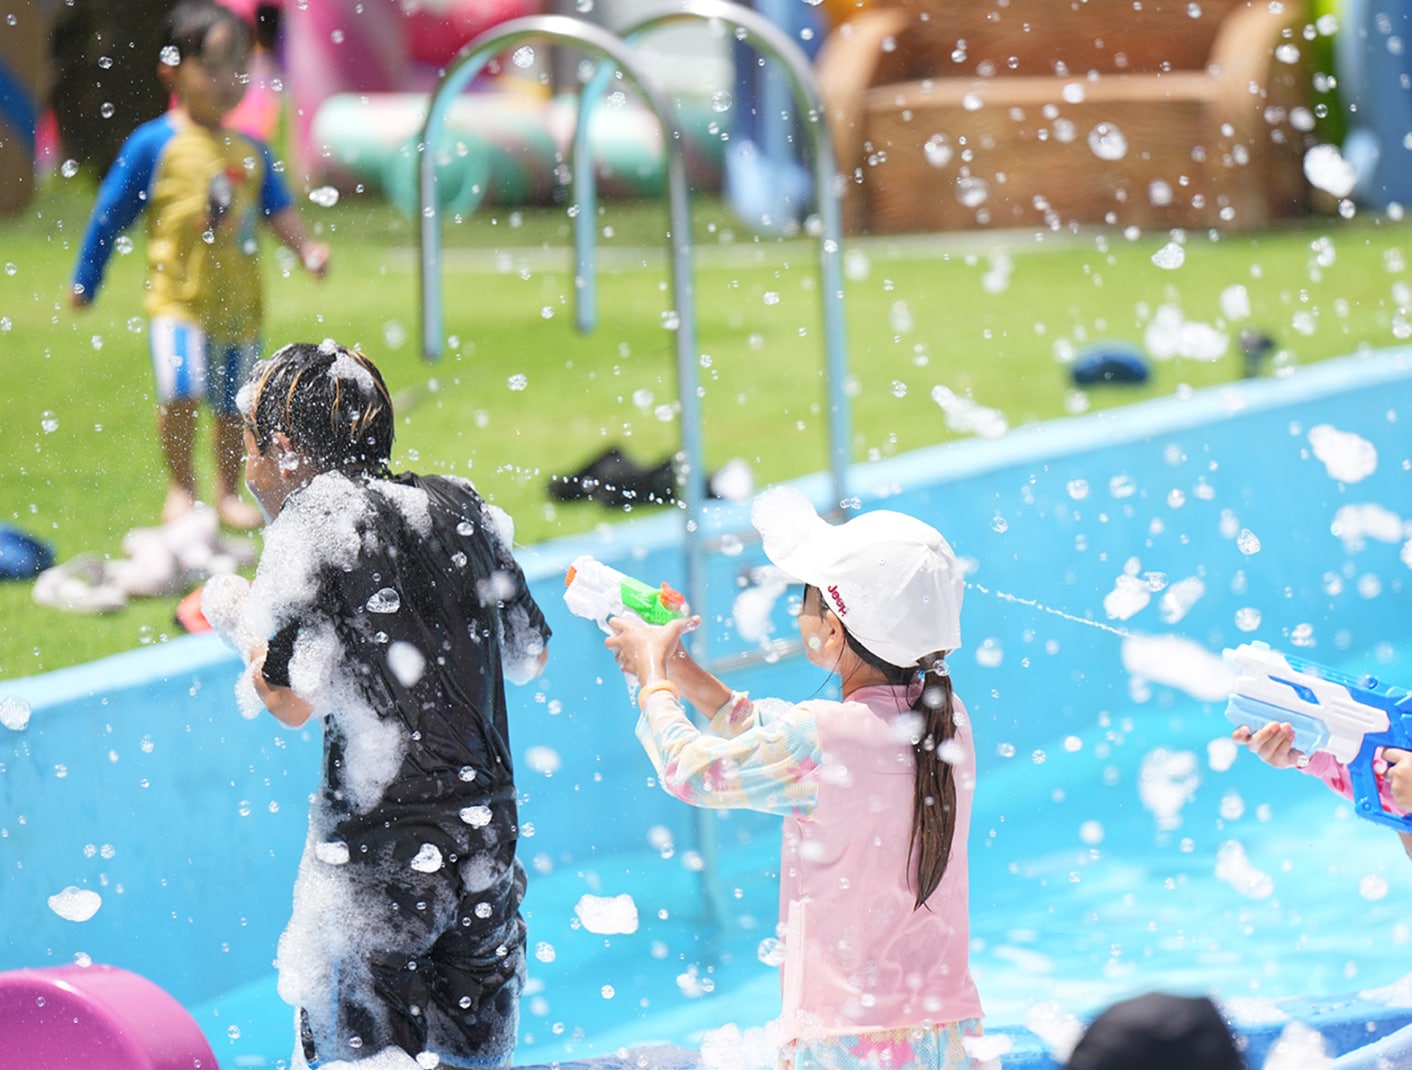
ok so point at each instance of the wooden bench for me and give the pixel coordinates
(954, 114)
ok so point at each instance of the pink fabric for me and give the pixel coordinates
(1335, 775)
(858, 957)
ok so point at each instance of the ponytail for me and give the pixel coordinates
(934, 800)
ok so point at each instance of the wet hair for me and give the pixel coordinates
(330, 400)
(191, 22)
(934, 793)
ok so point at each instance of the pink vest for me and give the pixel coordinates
(858, 957)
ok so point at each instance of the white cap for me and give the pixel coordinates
(892, 580)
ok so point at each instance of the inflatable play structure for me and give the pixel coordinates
(357, 77)
(510, 133)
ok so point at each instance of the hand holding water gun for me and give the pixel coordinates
(595, 591)
(1318, 710)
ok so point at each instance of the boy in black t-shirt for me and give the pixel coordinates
(392, 608)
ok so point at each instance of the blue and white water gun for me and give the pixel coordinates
(1350, 719)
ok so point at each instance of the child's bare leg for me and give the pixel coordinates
(176, 428)
(228, 437)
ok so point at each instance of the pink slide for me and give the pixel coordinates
(82, 1017)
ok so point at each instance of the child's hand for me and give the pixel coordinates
(1273, 744)
(645, 650)
(1399, 776)
(315, 255)
(287, 707)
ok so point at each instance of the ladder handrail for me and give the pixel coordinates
(768, 38)
(592, 38)
(765, 37)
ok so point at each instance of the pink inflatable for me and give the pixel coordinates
(336, 47)
(82, 1017)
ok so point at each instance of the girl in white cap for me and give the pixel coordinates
(873, 883)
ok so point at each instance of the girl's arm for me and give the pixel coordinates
(771, 767)
(700, 688)
(742, 763)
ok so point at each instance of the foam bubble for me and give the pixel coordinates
(334, 853)
(1235, 302)
(1327, 170)
(544, 760)
(75, 904)
(1170, 334)
(1130, 595)
(346, 368)
(1221, 753)
(607, 915)
(968, 416)
(1180, 663)
(754, 606)
(1180, 597)
(476, 816)
(1348, 457)
(14, 713)
(1373, 887)
(1059, 1029)
(1166, 782)
(1233, 867)
(406, 662)
(1170, 257)
(1354, 524)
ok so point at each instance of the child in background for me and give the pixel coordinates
(392, 608)
(875, 791)
(204, 188)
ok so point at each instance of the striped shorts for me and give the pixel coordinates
(191, 367)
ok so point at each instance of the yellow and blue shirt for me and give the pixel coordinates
(204, 192)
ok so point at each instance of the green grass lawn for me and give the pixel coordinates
(521, 395)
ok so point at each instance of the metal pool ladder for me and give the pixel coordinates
(766, 38)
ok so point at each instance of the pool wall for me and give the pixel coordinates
(137, 778)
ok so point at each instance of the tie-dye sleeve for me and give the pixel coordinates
(746, 758)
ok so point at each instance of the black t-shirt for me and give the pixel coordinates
(409, 602)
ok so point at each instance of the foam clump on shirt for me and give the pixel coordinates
(521, 645)
(411, 502)
(320, 528)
